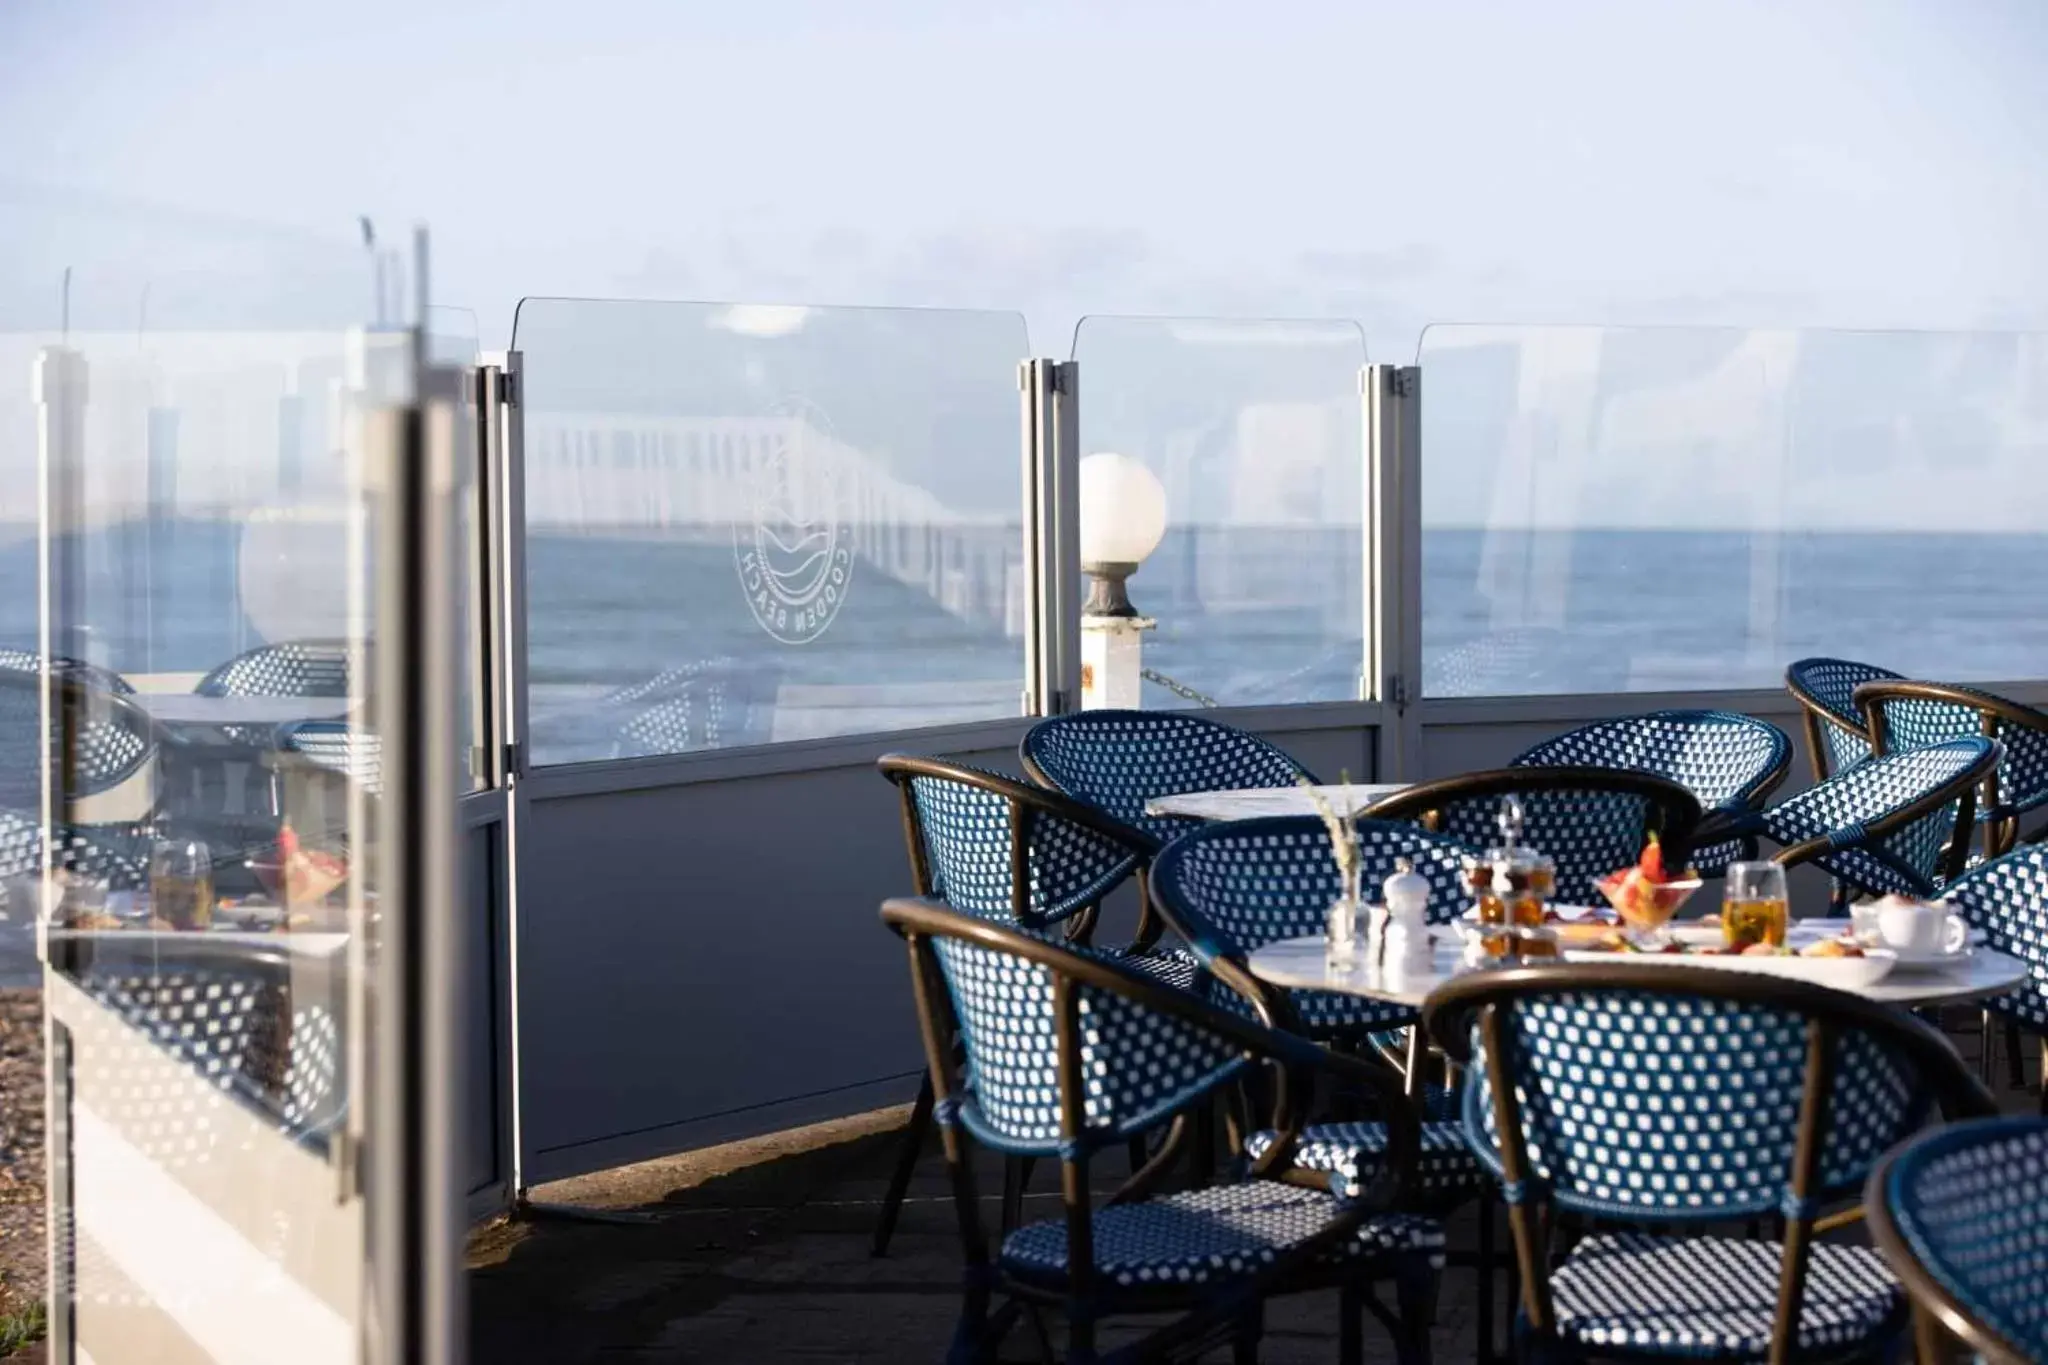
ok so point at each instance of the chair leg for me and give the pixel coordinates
(1202, 1151)
(912, 1146)
(1016, 1174)
(2016, 1066)
(1244, 1343)
(1350, 1324)
(1986, 1035)
(1415, 1303)
(1483, 1273)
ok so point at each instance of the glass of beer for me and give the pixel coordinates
(1754, 908)
(181, 883)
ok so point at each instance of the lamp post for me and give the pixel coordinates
(1123, 516)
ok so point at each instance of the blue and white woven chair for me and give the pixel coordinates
(1896, 823)
(1826, 692)
(1068, 1054)
(337, 747)
(1016, 854)
(1730, 762)
(92, 675)
(1961, 1216)
(111, 743)
(1229, 889)
(1117, 761)
(1910, 715)
(118, 857)
(1590, 821)
(2007, 898)
(1650, 1095)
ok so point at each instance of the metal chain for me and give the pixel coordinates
(1179, 689)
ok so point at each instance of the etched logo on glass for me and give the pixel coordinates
(795, 549)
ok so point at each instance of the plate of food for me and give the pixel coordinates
(1841, 963)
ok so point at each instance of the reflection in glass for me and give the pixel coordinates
(1644, 509)
(1254, 430)
(750, 524)
(200, 419)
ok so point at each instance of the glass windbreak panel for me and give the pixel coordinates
(1254, 432)
(1645, 509)
(751, 524)
(200, 622)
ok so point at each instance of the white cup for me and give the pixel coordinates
(1920, 928)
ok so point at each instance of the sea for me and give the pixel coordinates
(617, 622)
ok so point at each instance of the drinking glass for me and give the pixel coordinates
(181, 883)
(1754, 908)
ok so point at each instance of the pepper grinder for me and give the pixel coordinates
(1404, 943)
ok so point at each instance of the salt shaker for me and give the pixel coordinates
(1404, 946)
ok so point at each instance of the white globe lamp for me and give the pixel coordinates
(1123, 517)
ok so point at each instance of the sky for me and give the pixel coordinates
(1822, 163)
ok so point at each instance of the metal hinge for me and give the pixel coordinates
(1402, 382)
(515, 759)
(1397, 691)
(508, 388)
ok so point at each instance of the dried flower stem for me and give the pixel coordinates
(1343, 830)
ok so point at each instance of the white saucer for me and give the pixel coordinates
(1932, 958)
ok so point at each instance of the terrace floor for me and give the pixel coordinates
(758, 1251)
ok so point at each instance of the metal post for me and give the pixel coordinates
(1393, 517)
(60, 394)
(416, 1216)
(1052, 535)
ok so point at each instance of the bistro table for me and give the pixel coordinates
(1303, 964)
(1253, 802)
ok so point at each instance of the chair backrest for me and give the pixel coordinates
(1911, 715)
(1234, 887)
(1826, 692)
(1589, 821)
(1651, 1094)
(1883, 825)
(112, 739)
(1727, 760)
(2008, 899)
(290, 668)
(1961, 1215)
(992, 846)
(1117, 761)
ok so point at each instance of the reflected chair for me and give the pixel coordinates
(1908, 715)
(1012, 853)
(1961, 1216)
(718, 703)
(1590, 821)
(116, 856)
(290, 668)
(1067, 1054)
(1826, 692)
(92, 675)
(1730, 762)
(1231, 888)
(1645, 1096)
(2007, 898)
(1895, 823)
(1117, 761)
(337, 747)
(111, 742)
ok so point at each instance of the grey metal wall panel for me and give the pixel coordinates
(694, 952)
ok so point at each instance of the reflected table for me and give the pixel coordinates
(1254, 802)
(190, 708)
(1303, 964)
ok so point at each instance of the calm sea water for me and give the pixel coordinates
(1245, 616)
